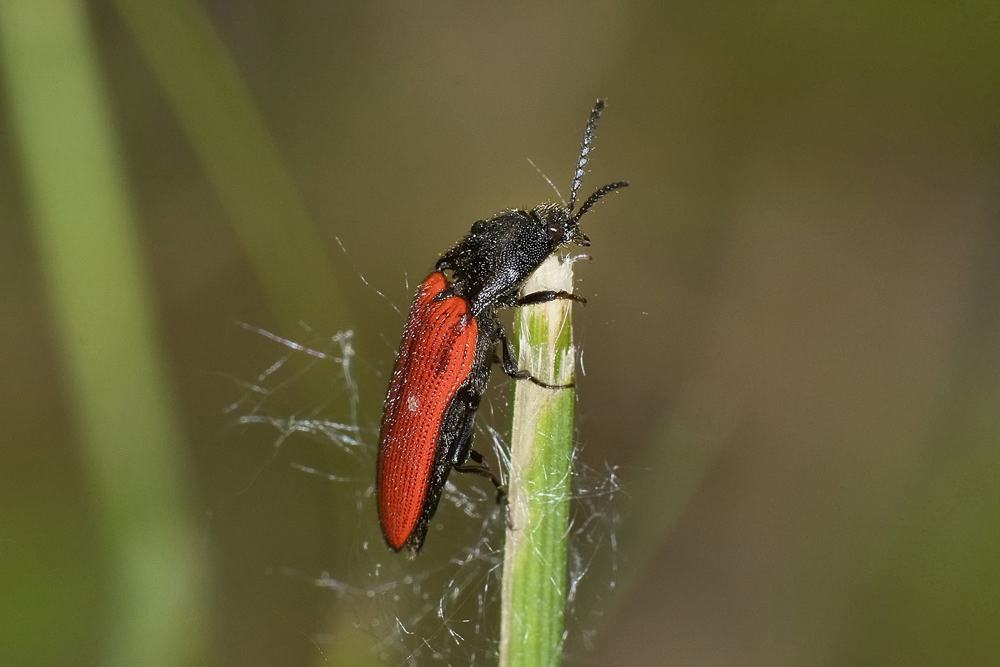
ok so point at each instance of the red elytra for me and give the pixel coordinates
(434, 359)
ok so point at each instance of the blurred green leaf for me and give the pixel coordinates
(125, 417)
(217, 112)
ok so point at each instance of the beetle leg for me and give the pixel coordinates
(462, 451)
(511, 369)
(461, 445)
(483, 469)
(546, 296)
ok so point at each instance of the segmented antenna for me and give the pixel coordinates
(596, 197)
(588, 139)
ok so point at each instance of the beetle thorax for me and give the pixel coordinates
(490, 264)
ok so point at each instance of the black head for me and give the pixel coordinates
(561, 225)
(499, 253)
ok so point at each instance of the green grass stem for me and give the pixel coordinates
(534, 573)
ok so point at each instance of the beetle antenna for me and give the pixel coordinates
(596, 197)
(588, 139)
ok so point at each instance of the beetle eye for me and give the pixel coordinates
(554, 230)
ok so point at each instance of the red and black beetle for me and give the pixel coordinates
(448, 350)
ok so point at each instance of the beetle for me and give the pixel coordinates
(449, 347)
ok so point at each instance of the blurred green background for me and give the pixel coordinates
(792, 340)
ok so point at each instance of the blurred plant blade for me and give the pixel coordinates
(216, 111)
(100, 301)
(933, 591)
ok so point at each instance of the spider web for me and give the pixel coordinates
(442, 607)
